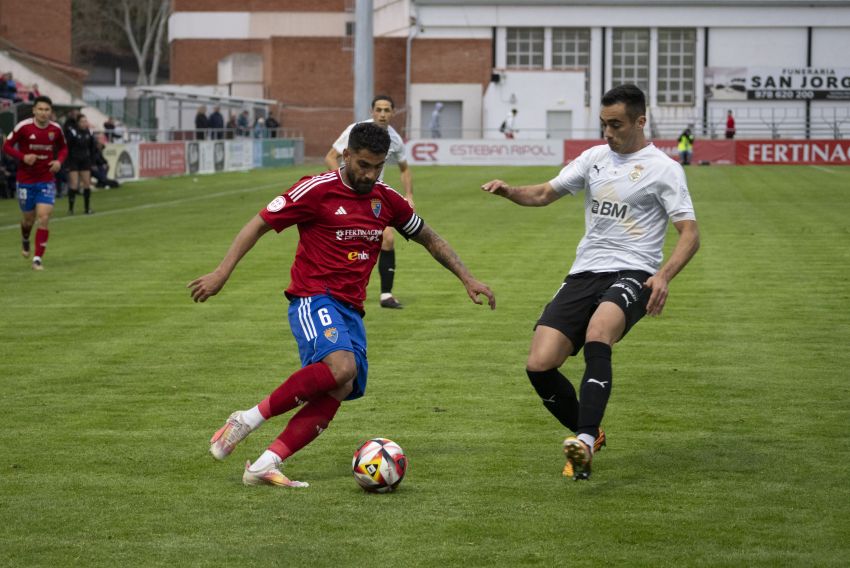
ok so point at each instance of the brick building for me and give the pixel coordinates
(551, 59)
(42, 30)
(307, 56)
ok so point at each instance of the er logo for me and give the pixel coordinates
(424, 152)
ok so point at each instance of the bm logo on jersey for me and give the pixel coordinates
(376, 207)
(331, 334)
(609, 209)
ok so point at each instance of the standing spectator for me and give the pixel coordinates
(39, 145)
(730, 125)
(272, 124)
(70, 120)
(109, 129)
(216, 124)
(434, 124)
(243, 124)
(81, 151)
(260, 128)
(202, 123)
(232, 126)
(686, 146)
(508, 127)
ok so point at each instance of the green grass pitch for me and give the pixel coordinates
(728, 423)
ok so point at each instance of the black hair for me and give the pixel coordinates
(631, 96)
(383, 98)
(369, 136)
(42, 99)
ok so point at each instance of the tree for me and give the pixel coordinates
(144, 24)
(141, 22)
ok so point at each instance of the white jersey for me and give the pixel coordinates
(629, 199)
(396, 155)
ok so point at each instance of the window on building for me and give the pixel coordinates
(630, 54)
(571, 50)
(525, 48)
(348, 39)
(676, 65)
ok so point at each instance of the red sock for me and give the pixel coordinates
(305, 426)
(40, 241)
(299, 388)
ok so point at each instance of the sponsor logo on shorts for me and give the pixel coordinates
(609, 209)
(354, 256)
(276, 204)
(331, 334)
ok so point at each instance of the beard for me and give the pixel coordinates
(360, 187)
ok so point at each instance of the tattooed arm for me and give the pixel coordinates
(445, 255)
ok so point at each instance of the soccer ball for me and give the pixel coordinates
(379, 465)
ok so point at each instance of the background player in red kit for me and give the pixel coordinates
(341, 216)
(39, 145)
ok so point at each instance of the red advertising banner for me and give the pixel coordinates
(162, 159)
(834, 152)
(705, 151)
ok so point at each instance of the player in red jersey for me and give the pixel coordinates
(39, 145)
(341, 216)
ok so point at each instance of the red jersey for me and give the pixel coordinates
(46, 143)
(340, 233)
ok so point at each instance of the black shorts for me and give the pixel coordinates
(80, 164)
(578, 297)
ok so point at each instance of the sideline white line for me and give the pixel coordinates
(158, 204)
(823, 169)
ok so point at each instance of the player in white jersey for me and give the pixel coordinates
(383, 109)
(632, 190)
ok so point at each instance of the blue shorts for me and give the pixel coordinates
(31, 193)
(322, 325)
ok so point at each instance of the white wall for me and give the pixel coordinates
(830, 46)
(468, 93)
(749, 47)
(533, 93)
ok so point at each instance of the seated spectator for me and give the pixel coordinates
(34, 92)
(100, 170)
(8, 88)
(109, 130)
(8, 166)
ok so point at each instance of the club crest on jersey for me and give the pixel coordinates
(635, 174)
(276, 204)
(51, 136)
(376, 207)
(331, 334)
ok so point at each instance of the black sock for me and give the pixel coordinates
(595, 387)
(386, 267)
(25, 233)
(557, 394)
(87, 198)
(72, 197)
